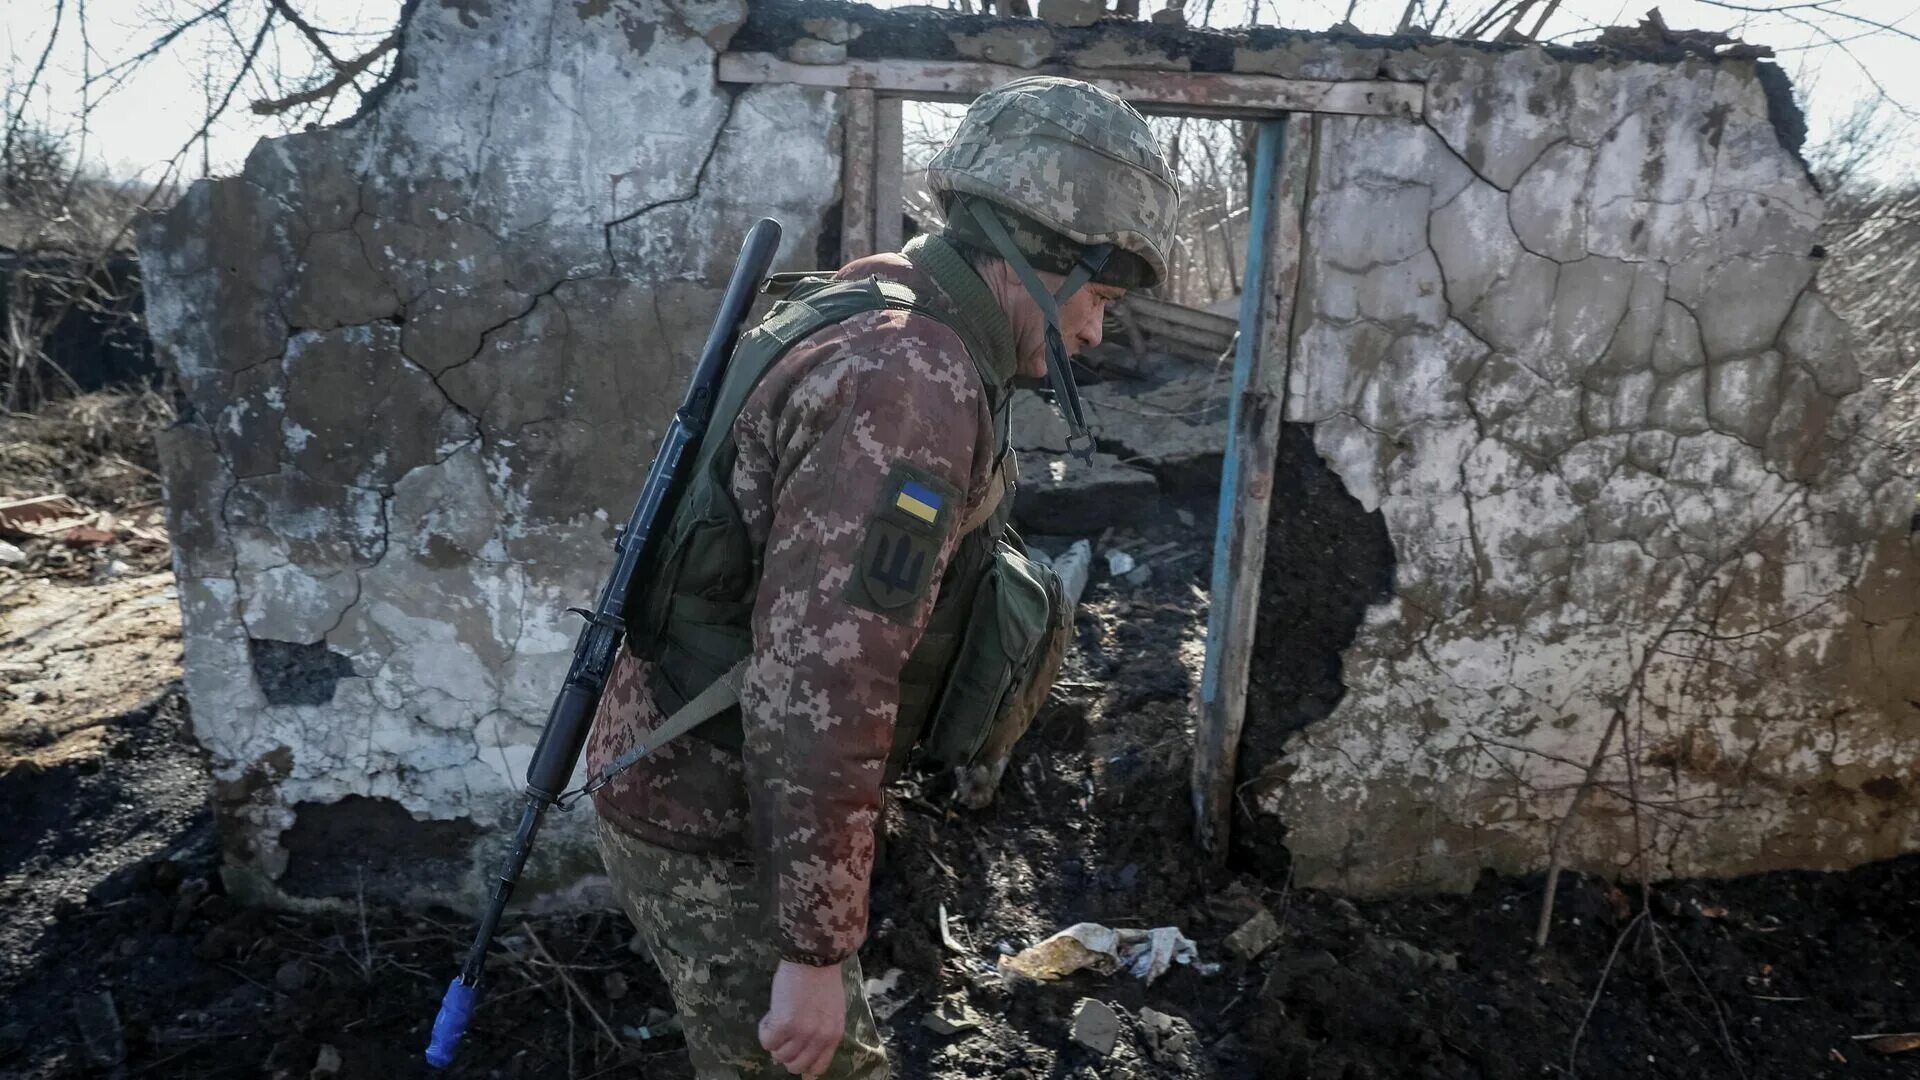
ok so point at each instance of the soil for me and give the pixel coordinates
(121, 955)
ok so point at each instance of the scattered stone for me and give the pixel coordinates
(1170, 1040)
(1140, 576)
(1072, 12)
(1073, 565)
(101, 1036)
(1095, 1026)
(834, 30)
(814, 51)
(327, 1063)
(291, 977)
(1024, 45)
(1187, 520)
(10, 555)
(1255, 936)
(950, 1017)
(1420, 959)
(615, 985)
(1347, 912)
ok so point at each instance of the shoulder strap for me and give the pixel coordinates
(719, 696)
(807, 310)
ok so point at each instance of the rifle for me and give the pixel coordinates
(565, 734)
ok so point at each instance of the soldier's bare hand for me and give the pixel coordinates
(805, 1018)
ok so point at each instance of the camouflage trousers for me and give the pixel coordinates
(703, 921)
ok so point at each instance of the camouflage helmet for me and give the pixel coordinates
(1057, 156)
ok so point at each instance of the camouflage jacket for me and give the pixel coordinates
(818, 440)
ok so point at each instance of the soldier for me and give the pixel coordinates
(823, 561)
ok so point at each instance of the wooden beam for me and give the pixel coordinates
(1246, 496)
(1181, 92)
(889, 150)
(856, 178)
(1167, 311)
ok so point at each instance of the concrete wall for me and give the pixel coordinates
(428, 355)
(1558, 348)
(1565, 338)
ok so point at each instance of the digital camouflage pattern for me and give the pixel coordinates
(1072, 158)
(704, 924)
(819, 443)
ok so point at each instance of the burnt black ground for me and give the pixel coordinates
(1765, 977)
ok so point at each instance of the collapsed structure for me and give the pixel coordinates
(1555, 362)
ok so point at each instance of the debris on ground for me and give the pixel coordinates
(326, 1063)
(1255, 936)
(1073, 566)
(1170, 1040)
(659, 1024)
(1144, 954)
(1892, 1044)
(108, 894)
(1096, 1026)
(885, 995)
(950, 1017)
(1415, 957)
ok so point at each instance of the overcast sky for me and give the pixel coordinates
(149, 118)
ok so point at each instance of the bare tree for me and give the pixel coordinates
(64, 222)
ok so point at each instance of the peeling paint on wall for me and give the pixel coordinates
(1573, 350)
(428, 355)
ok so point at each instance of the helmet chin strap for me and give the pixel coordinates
(1066, 394)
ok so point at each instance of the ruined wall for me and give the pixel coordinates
(427, 356)
(1564, 337)
(1560, 378)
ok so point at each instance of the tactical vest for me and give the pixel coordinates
(692, 617)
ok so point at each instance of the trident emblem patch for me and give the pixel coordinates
(915, 512)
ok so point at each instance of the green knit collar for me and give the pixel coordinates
(973, 303)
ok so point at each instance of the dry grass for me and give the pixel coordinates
(97, 447)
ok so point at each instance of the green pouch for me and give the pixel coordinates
(1013, 613)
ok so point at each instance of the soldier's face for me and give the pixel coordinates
(1081, 318)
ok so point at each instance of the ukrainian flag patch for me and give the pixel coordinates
(920, 501)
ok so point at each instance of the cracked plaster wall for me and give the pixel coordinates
(427, 356)
(1565, 336)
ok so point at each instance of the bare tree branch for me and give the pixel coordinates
(15, 116)
(119, 72)
(307, 31)
(342, 78)
(1824, 7)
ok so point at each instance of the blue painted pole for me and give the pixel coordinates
(1266, 151)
